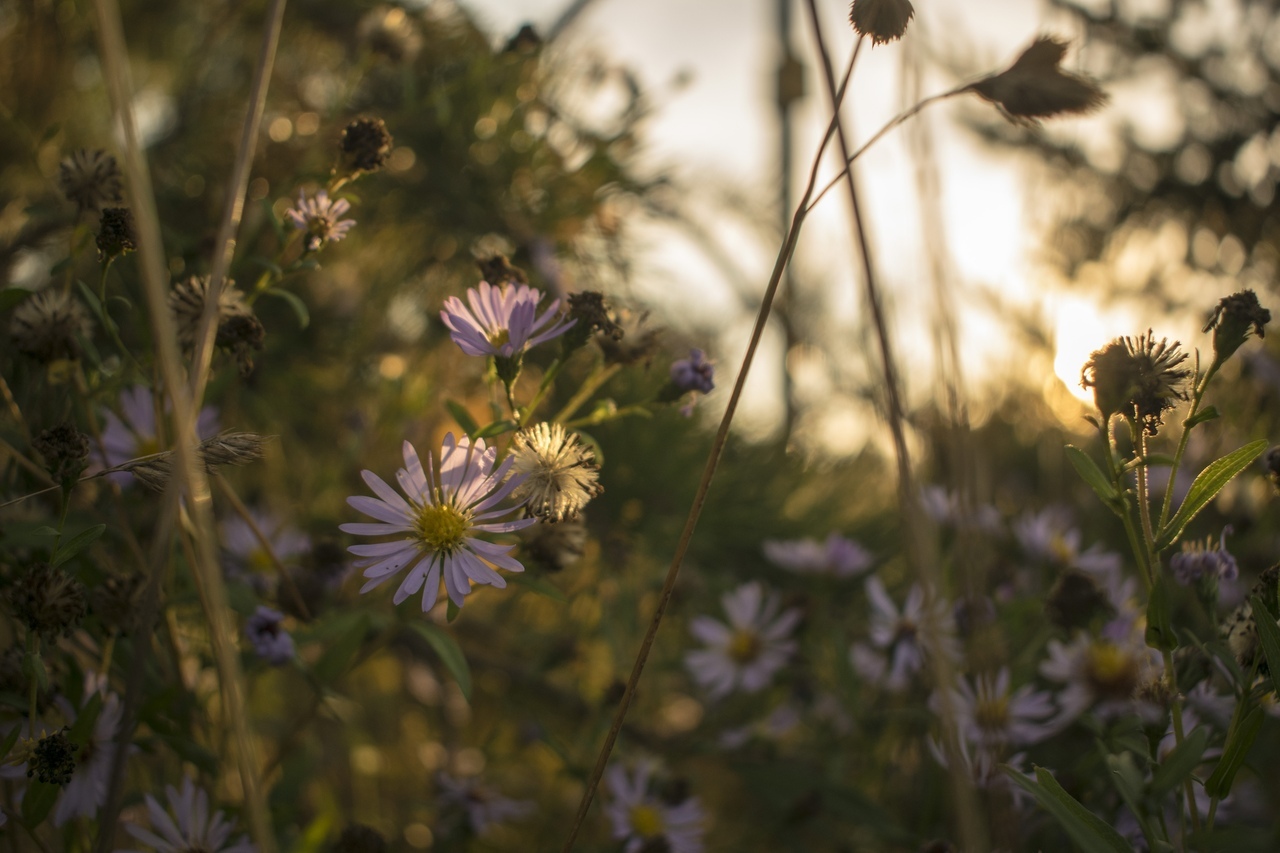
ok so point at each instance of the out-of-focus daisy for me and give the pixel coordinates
(319, 217)
(644, 821)
(747, 652)
(442, 513)
(502, 321)
(943, 507)
(287, 542)
(837, 556)
(48, 326)
(480, 805)
(899, 646)
(132, 433)
(560, 473)
(270, 640)
(91, 178)
(991, 718)
(87, 790)
(190, 828)
(1101, 672)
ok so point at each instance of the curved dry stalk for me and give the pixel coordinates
(191, 479)
(972, 831)
(704, 485)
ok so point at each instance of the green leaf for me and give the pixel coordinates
(1180, 763)
(542, 586)
(1087, 830)
(295, 302)
(497, 428)
(451, 611)
(1208, 413)
(1239, 742)
(271, 266)
(12, 297)
(38, 802)
(1091, 474)
(449, 651)
(96, 306)
(1128, 781)
(337, 658)
(81, 733)
(463, 417)
(6, 746)
(1211, 480)
(76, 544)
(1268, 633)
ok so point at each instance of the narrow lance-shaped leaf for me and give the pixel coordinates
(1239, 742)
(76, 544)
(1180, 763)
(1268, 634)
(450, 654)
(1211, 480)
(1091, 474)
(1087, 830)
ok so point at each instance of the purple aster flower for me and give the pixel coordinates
(645, 822)
(132, 433)
(481, 805)
(239, 540)
(319, 218)
(270, 640)
(900, 640)
(747, 652)
(837, 556)
(190, 827)
(694, 373)
(439, 517)
(502, 321)
(990, 717)
(1201, 560)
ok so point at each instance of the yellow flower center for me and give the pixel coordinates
(1062, 550)
(991, 714)
(260, 561)
(441, 527)
(646, 821)
(1111, 671)
(744, 647)
(502, 336)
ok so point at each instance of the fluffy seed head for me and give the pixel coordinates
(561, 474)
(46, 326)
(91, 179)
(883, 20)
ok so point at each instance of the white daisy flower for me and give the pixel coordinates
(442, 513)
(898, 647)
(191, 827)
(990, 717)
(646, 823)
(559, 472)
(747, 652)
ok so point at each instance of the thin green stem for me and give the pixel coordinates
(599, 375)
(548, 381)
(1135, 542)
(1171, 674)
(33, 654)
(1138, 437)
(1187, 426)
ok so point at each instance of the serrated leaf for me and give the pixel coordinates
(38, 801)
(1092, 475)
(1208, 413)
(1087, 830)
(1239, 742)
(295, 302)
(449, 652)
(12, 297)
(337, 657)
(1207, 484)
(76, 544)
(541, 586)
(462, 417)
(1180, 763)
(1268, 634)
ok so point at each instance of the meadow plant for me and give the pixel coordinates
(868, 690)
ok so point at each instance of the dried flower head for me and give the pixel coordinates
(239, 330)
(560, 472)
(1035, 87)
(48, 600)
(366, 145)
(883, 20)
(592, 315)
(390, 31)
(116, 234)
(1232, 320)
(47, 325)
(91, 179)
(65, 450)
(499, 270)
(319, 217)
(636, 341)
(114, 601)
(53, 760)
(1240, 630)
(1138, 378)
(555, 547)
